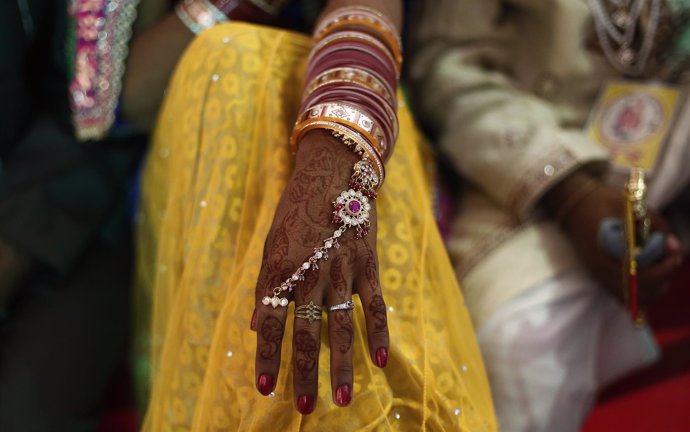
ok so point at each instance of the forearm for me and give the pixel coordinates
(512, 145)
(508, 142)
(569, 192)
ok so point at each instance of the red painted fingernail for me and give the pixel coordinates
(253, 323)
(265, 384)
(305, 404)
(343, 396)
(381, 357)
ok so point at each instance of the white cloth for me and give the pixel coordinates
(672, 174)
(548, 351)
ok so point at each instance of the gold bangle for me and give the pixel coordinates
(349, 137)
(349, 116)
(391, 116)
(348, 125)
(357, 141)
(371, 139)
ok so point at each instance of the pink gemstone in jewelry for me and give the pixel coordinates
(354, 207)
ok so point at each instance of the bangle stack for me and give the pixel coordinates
(352, 78)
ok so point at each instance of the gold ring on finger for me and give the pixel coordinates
(310, 312)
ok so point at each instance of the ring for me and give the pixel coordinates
(309, 312)
(342, 306)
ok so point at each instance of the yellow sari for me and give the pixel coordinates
(219, 163)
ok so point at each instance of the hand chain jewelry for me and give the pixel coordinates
(350, 210)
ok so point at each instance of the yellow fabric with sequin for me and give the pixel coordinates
(219, 162)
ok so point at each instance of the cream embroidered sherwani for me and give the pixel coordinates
(507, 86)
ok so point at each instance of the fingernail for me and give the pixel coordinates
(253, 323)
(343, 396)
(305, 404)
(265, 384)
(381, 357)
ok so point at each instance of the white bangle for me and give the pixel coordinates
(199, 15)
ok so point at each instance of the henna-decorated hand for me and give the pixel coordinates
(302, 221)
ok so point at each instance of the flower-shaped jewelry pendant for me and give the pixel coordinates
(351, 209)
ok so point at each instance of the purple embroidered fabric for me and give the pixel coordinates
(103, 30)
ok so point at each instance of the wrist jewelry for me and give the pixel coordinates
(352, 76)
(349, 137)
(350, 210)
(350, 116)
(367, 19)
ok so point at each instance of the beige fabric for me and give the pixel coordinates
(508, 105)
(505, 269)
(508, 86)
(673, 174)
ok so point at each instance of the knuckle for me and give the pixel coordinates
(380, 333)
(308, 380)
(341, 336)
(345, 370)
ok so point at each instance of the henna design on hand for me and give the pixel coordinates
(272, 334)
(371, 269)
(312, 236)
(378, 309)
(345, 330)
(277, 275)
(305, 287)
(371, 273)
(281, 242)
(338, 281)
(320, 216)
(344, 257)
(316, 182)
(305, 187)
(314, 179)
(322, 161)
(306, 353)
